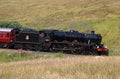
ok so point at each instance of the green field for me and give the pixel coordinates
(103, 16)
(7, 55)
(22, 55)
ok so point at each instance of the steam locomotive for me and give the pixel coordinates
(53, 40)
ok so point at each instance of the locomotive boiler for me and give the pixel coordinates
(73, 42)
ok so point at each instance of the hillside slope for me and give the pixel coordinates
(82, 15)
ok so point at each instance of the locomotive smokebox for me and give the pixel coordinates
(93, 32)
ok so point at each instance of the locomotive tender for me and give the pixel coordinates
(52, 40)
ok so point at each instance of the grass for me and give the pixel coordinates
(59, 55)
(9, 57)
(6, 56)
(21, 55)
(114, 52)
(81, 67)
(26, 65)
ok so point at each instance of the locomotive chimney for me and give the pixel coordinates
(93, 32)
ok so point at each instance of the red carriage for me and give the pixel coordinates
(6, 37)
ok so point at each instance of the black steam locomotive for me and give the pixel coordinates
(53, 40)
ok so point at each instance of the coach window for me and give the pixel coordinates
(7, 35)
(11, 34)
(1, 35)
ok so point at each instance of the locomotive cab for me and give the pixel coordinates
(93, 38)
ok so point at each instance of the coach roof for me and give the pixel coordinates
(6, 29)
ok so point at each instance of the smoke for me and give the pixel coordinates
(80, 26)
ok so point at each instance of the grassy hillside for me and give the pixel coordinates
(82, 15)
(81, 67)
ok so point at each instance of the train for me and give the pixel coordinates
(50, 40)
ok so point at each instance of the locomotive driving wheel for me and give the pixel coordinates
(18, 46)
(75, 42)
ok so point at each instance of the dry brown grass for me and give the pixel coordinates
(30, 11)
(81, 67)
